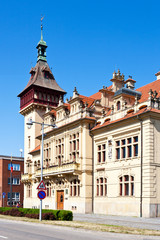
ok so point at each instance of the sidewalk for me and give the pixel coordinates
(136, 222)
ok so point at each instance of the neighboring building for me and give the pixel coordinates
(17, 185)
(102, 156)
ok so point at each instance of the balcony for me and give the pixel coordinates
(26, 177)
(56, 170)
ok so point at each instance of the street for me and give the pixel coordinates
(26, 231)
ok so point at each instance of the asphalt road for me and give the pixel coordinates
(14, 230)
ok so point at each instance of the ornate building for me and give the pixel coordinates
(102, 155)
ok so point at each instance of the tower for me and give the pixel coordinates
(41, 91)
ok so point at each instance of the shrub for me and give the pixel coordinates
(34, 213)
(13, 212)
(48, 216)
(65, 215)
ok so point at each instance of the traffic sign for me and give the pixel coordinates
(41, 186)
(41, 195)
(4, 194)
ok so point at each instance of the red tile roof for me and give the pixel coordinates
(96, 95)
(53, 111)
(85, 99)
(129, 115)
(145, 90)
(36, 149)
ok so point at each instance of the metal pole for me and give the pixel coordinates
(40, 210)
(11, 183)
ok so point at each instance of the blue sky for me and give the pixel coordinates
(87, 41)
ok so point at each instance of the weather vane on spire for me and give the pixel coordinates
(42, 27)
(42, 17)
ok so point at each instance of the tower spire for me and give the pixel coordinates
(42, 46)
(42, 28)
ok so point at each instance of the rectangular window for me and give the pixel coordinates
(15, 181)
(75, 188)
(120, 189)
(129, 151)
(127, 148)
(102, 187)
(132, 189)
(126, 185)
(118, 153)
(99, 157)
(15, 196)
(135, 150)
(104, 156)
(74, 147)
(101, 153)
(117, 143)
(16, 167)
(123, 152)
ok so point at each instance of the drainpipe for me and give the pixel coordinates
(92, 172)
(141, 167)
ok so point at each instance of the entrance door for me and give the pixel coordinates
(60, 199)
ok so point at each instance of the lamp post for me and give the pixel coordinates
(42, 124)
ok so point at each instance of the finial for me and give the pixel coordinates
(42, 28)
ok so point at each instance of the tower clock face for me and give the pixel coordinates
(28, 121)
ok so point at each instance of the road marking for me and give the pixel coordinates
(3, 237)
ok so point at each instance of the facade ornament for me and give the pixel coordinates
(60, 101)
(155, 94)
(112, 109)
(150, 93)
(103, 112)
(75, 93)
(86, 105)
(136, 100)
(150, 98)
(114, 74)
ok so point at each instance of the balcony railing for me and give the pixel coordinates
(25, 177)
(55, 170)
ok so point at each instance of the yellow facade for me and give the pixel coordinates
(102, 153)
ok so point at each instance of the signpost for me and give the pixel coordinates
(4, 195)
(41, 186)
(41, 194)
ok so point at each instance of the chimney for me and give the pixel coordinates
(158, 75)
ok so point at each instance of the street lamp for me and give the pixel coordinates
(30, 123)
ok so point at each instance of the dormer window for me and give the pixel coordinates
(46, 74)
(32, 75)
(118, 105)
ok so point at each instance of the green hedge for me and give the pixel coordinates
(59, 214)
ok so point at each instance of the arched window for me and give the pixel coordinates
(126, 185)
(118, 105)
(102, 186)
